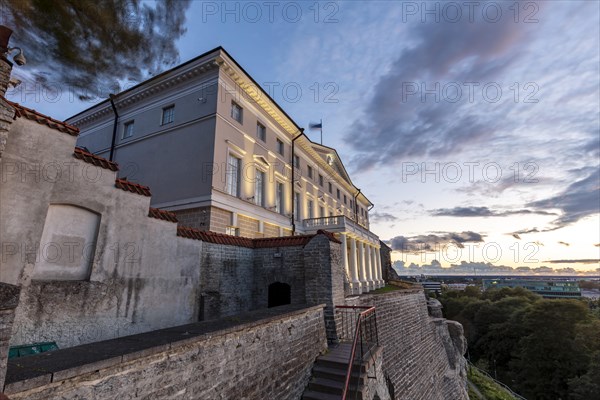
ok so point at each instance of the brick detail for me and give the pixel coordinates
(248, 227)
(271, 230)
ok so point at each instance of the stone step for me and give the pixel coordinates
(340, 364)
(310, 395)
(331, 387)
(338, 374)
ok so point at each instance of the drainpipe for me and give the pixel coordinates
(114, 135)
(294, 182)
(356, 206)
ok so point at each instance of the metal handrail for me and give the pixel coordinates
(357, 336)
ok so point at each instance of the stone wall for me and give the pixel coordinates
(260, 355)
(422, 360)
(226, 280)
(9, 298)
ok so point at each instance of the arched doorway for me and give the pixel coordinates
(279, 294)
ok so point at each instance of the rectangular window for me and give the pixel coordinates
(237, 112)
(351, 205)
(280, 147)
(232, 230)
(297, 206)
(345, 199)
(259, 188)
(320, 180)
(128, 130)
(310, 171)
(321, 212)
(362, 212)
(330, 188)
(168, 115)
(261, 132)
(338, 193)
(296, 161)
(279, 199)
(311, 205)
(233, 176)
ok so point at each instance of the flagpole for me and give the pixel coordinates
(321, 131)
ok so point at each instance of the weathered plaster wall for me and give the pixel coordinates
(142, 276)
(270, 358)
(423, 358)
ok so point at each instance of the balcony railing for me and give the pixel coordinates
(338, 223)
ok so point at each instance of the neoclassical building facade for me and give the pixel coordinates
(219, 152)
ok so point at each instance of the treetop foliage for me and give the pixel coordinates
(544, 349)
(89, 46)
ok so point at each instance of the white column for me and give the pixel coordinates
(378, 264)
(364, 284)
(368, 267)
(374, 269)
(355, 285)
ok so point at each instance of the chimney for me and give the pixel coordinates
(5, 65)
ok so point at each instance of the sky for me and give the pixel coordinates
(474, 127)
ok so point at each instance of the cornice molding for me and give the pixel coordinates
(256, 94)
(139, 94)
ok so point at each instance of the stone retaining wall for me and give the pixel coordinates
(266, 354)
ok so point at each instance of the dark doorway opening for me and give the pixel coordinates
(279, 294)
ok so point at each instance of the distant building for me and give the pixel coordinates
(545, 288)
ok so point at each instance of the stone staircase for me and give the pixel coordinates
(329, 375)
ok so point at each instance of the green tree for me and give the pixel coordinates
(89, 46)
(548, 355)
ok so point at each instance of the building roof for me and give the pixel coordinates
(162, 214)
(219, 238)
(42, 119)
(162, 75)
(98, 161)
(133, 187)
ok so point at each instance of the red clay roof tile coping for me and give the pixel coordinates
(98, 161)
(43, 119)
(133, 187)
(219, 238)
(162, 214)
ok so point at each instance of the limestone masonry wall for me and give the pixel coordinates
(420, 358)
(269, 358)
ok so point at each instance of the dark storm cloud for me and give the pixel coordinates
(434, 242)
(399, 125)
(580, 261)
(517, 234)
(580, 199)
(483, 212)
(382, 217)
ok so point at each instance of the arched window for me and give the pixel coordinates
(279, 294)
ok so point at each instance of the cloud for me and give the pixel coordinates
(579, 200)
(479, 268)
(400, 124)
(382, 217)
(597, 245)
(517, 234)
(433, 242)
(483, 212)
(580, 261)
